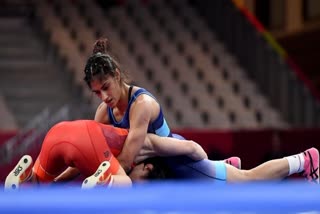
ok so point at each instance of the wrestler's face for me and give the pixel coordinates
(140, 172)
(107, 89)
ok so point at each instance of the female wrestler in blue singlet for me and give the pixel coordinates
(136, 109)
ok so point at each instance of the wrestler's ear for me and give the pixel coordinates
(149, 167)
(117, 74)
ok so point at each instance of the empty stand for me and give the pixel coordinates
(168, 49)
(32, 78)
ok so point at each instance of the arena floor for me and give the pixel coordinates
(168, 198)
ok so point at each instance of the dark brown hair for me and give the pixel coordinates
(101, 45)
(100, 63)
(160, 169)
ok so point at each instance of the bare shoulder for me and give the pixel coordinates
(145, 99)
(101, 114)
(146, 102)
(146, 106)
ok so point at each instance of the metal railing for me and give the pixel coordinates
(32, 134)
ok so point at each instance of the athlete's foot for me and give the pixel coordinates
(311, 165)
(22, 172)
(101, 177)
(234, 161)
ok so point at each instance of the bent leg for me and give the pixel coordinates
(21, 173)
(50, 164)
(121, 179)
(104, 177)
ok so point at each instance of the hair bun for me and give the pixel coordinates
(101, 45)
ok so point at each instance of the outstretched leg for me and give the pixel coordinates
(306, 162)
(234, 161)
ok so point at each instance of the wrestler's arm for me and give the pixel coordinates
(140, 115)
(69, 174)
(168, 146)
(101, 115)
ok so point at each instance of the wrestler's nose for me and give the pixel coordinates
(104, 96)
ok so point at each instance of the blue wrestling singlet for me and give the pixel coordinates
(186, 168)
(182, 166)
(158, 127)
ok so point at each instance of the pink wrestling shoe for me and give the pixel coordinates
(234, 161)
(311, 165)
(22, 172)
(101, 177)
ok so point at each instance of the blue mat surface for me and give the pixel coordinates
(168, 198)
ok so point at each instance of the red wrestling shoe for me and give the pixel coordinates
(22, 172)
(311, 165)
(100, 178)
(234, 161)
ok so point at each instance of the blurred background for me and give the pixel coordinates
(240, 77)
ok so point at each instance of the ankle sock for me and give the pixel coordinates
(296, 163)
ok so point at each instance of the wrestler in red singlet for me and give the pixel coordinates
(83, 144)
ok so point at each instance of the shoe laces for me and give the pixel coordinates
(313, 172)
